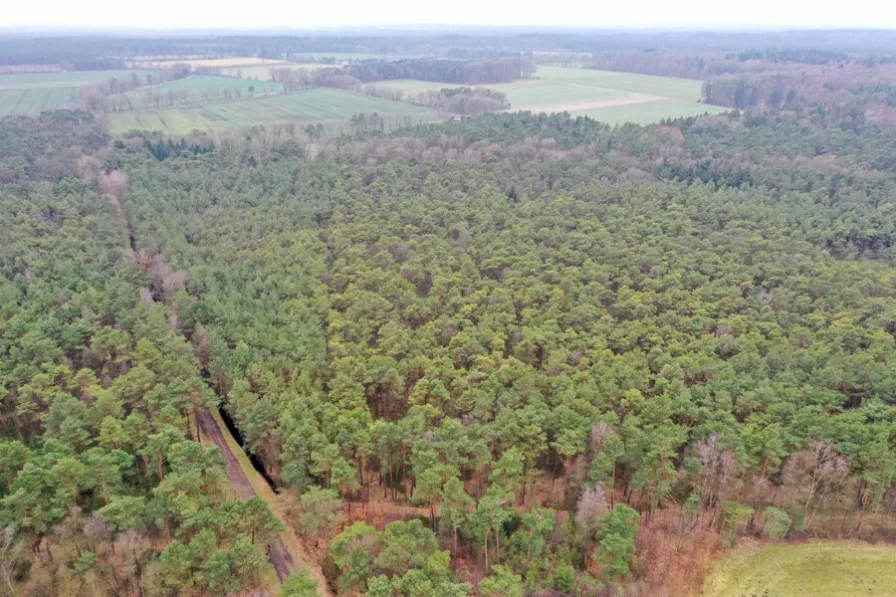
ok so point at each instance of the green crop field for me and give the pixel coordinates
(609, 96)
(328, 106)
(830, 568)
(29, 94)
(199, 82)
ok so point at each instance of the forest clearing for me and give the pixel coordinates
(830, 568)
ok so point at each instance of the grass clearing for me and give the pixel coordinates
(612, 97)
(329, 106)
(830, 568)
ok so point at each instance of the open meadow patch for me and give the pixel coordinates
(830, 568)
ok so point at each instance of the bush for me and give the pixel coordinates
(777, 523)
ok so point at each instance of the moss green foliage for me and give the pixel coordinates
(629, 307)
(538, 342)
(616, 541)
(777, 523)
(100, 458)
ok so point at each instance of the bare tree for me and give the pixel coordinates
(10, 556)
(591, 507)
(813, 473)
(717, 467)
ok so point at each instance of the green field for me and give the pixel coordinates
(830, 568)
(608, 96)
(199, 82)
(328, 106)
(30, 94)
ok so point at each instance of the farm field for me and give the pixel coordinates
(830, 568)
(346, 56)
(211, 62)
(199, 82)
(329, 106)
(608, 96)
(29, 94)
(263, 73)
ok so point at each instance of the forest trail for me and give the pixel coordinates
(287, 554)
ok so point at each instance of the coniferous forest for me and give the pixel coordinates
(514, 354)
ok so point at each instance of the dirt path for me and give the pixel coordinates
(238, 479)
(637, 98)
(287, 554)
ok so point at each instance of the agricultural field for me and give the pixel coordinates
(199, 82)
(329, 106)
(263, 73)
(343, 57)
(608, 96)
(30, 94)
(210, 62)
(830, 568)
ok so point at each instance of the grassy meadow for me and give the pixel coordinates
(329, 106)
(30, 94)
(830, 568)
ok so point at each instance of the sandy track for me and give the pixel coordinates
(279, 556)
(637, 98)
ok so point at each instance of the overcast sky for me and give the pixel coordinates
(315, 13)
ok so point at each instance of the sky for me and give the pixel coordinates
(672, 14)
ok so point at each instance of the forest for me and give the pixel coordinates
(506, 355)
